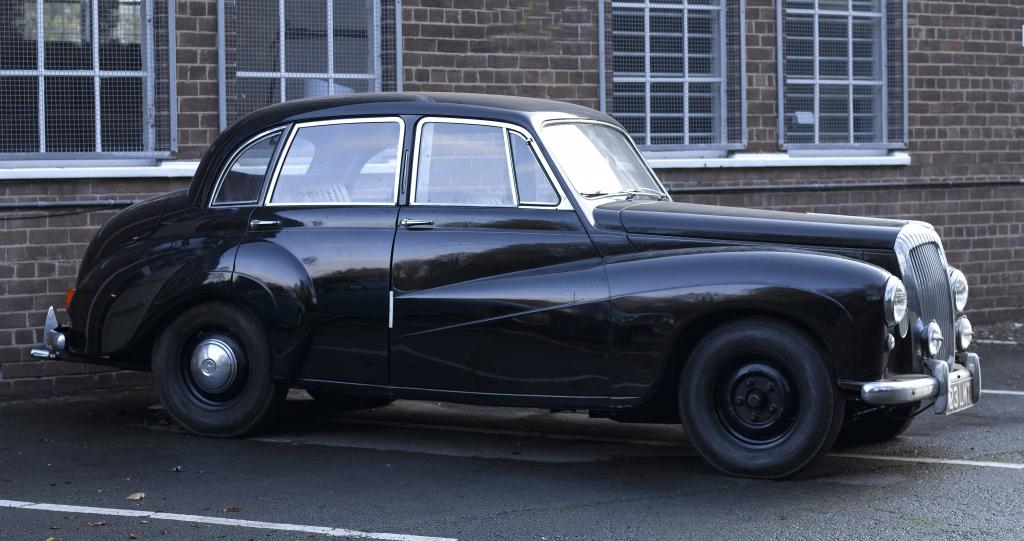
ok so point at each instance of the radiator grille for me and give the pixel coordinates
(929, 292)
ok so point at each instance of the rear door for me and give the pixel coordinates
(498, 288)
(331, 209)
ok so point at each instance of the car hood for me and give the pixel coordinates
(747, 225)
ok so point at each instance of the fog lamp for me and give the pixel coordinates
(964, 333)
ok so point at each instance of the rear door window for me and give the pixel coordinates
(342, 162)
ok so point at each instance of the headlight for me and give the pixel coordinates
(958, 282)
(895, 301)
(931, 336)
(964, 333)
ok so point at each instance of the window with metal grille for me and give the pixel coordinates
(677, 73)
(280, 50)
(843, 70)
(85, 79)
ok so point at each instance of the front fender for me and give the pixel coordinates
(665, 299)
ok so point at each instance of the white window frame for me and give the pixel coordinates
(884, 101)
(563, 202)
(283, 75)
(283, 156)
(147, 74)
(722, 79)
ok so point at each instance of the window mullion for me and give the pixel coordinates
(282, 84)
(723, 76)
(647, 74)
(817, 81)
(330, 47)
(40, 67)
(97, 117)
(851, 136)
(375, 50)
(149, 81)
(882, 68)
(686, 75)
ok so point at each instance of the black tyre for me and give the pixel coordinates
(335, 402)
(211, 368)
(757, 400)
(878, 426)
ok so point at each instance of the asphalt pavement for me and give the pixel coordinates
(419, 471)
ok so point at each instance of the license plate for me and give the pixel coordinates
(958, 396)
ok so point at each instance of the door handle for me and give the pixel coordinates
(407, 223)
(254, 224)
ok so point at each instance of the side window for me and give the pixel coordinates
(463, 164)
(243, 181)
(350, 162)
(531, 180)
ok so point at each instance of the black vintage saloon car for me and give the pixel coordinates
(520, 252)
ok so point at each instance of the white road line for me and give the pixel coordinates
(322, 530)
(926, 460)
(997, 342)
(995, 391)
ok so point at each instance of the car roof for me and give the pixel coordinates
(482, 106)
(512, 109)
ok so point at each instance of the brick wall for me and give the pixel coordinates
(198, 118)
(536, 48)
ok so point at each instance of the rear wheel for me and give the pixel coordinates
(333, 401)
(879, 425)
(211, 369)
(757, 400)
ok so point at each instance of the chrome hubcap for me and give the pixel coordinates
(214, 365)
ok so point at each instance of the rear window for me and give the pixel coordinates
(341, 163)
(243, 180)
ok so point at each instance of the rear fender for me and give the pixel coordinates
(277, 287)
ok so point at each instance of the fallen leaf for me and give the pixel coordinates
(136, 496)
(50, 539)
(233, 509)
(97, 523)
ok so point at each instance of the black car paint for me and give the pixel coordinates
(534, 307)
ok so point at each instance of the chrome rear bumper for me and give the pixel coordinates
(54, 341)
(909, 388)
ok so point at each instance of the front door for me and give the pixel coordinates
(498, 288)
(332, 207)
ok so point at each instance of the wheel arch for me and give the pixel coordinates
(660, 404)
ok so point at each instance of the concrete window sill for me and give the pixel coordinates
(777, 159)
(167, 169)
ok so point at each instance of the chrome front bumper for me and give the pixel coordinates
(54, 341)
(906, 389)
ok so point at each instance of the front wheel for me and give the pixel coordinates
(757, 400)
(211, 369)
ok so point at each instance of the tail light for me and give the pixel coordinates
(68, 296)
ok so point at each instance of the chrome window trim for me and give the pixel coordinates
(632, 145)
(271, 165)
(536, 155)
(563, 202)
(316, 123)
